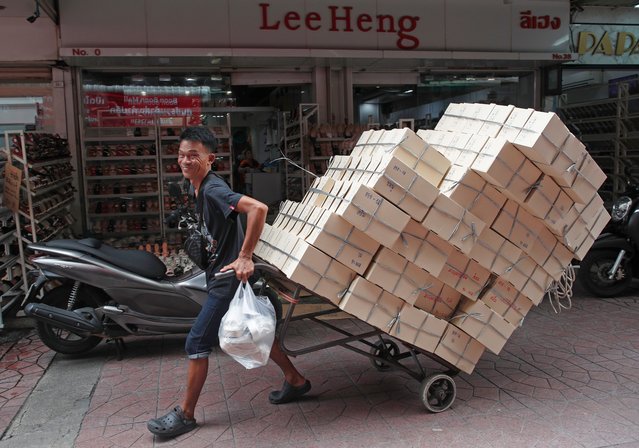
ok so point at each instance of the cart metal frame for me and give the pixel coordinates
(438, 390)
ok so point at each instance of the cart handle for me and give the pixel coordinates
(258, 267)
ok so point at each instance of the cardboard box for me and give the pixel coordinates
(389, 177)
(494, 252)
(517, 225)
(458, 147)
(459, 349)
(441, 303)
(448, 143)
(433, 253)
(556, 218)
(542, 136)
(332, 235)
(317, 272)
(407, 147)
(537, 285)
(418, 328)
(410, 240)
(542, 197)
(515, 123)
(473, 193)
(569, 156)
(593, 232)
(504, 299)
(483, 324)
(584, 224)
(520, 272)
(502, 165)
(550, 253)
(360, 206)
(495, 120)
(448, 121)
(454, 224)
(590, 177)
(464, 275)
(371, 304)
(398, 276)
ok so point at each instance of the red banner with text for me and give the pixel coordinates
(115, 109)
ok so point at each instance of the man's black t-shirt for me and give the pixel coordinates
(219, 203)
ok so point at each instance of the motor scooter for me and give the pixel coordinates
(611, 263)
(108, 293)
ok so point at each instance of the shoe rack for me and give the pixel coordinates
(127, 172)
(609, 128)
(46, 195)
(10, 283)
(297, 149)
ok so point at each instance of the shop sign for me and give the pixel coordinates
(116, 109)
(606, 44)
(12, 181)
(242, 27)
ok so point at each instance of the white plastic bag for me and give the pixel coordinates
(247, 329)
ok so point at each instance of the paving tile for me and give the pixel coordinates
(565, 380)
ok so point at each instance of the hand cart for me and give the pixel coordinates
(437, 391)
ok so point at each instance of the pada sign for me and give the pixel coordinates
(607, 44)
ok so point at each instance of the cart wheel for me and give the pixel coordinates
(389, 350)
(438, 392)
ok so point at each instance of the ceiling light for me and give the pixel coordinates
(409, 91)
(229, 92)
(216, 78)
(137, 78)
(143, 93)
(216, 60)
(190, 78)
(165, 78)
(187, 92)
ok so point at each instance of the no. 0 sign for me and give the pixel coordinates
(12, 181)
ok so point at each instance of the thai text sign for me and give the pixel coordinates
(116, 109)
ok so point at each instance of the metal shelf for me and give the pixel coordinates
(123, 214)
(120, 158)
(124, 176)
(50, 212)
(46, 189)
(122, 195)
(9, 263)
(7, 236)
(120, 139)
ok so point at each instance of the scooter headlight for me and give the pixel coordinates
(620, 208)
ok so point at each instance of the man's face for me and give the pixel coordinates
(194, 160)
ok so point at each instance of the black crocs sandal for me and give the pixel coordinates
(172, 424)
(288, 393)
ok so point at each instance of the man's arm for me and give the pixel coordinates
(255, 218)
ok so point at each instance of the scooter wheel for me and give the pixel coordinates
(594, 269)
(63, 341)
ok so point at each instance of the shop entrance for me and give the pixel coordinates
(380, 104)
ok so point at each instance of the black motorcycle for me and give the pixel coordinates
(610, 265)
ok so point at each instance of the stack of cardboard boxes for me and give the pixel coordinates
(445, 239)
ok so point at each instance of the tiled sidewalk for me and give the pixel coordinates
(23, 361)
(566, 380)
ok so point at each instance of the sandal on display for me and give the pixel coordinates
(288, 393)
(172, 424)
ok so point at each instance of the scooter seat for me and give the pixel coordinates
(137, 261)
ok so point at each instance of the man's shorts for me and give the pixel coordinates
(204, 333)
